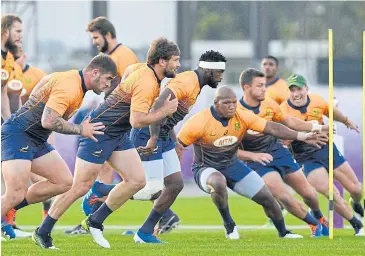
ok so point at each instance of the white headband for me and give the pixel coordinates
(212, 65)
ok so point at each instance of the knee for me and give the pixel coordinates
(219, 184)
(175, 186)
(81, 188)
(356, 190)
(67, 184)
(138, 183)
(286, 199)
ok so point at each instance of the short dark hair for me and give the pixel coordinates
(161, 48)
(7, 21)
(212, 56)
(102, 25)
(248, 75)
(273, 58)
(104, 63)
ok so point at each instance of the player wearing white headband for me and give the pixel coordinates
(159, 151)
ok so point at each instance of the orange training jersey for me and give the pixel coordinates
(12, 68)
(186, 88)
(277, 90)
(63, 93)
(31, 77)
(313, 111)
(258, 142)
(137, 93)
(123, 57)
(216, 140)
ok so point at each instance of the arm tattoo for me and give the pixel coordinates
(56, 123)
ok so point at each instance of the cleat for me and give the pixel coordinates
(44, 242)
(360, 232)
(96, 231)
(290, 235)
(10, 217)
(78, 230)
(142, 238)
(91, 198)
(231, 231)
(316, 230)
(168, 224)
(325, 226)
(7, 231)
(20, 233)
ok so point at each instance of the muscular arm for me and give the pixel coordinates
(5, 104)
(158, 113)
(280, 131)
(53, 121)
(156, 127)
(338, 116)
(15, 102)
(297, 124)
(244, 155)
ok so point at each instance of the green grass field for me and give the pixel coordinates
(192, 211)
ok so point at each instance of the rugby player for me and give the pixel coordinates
(128, 105)
(216, 134)
(276, 87)
(31, 77)
(271, 160)
(163, 171)
(11, 84)
(104, 37)
(24, 147)
(312, 108)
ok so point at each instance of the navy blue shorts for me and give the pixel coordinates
(320, 159)
(139, 137)
(17, 144)
(283, 163)
(99, 152)
(233, 173)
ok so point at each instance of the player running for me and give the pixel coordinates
(104, 37)
(216, 134)
(24, 147)
(311, 108)
(162, 168)
(128, 105)
(271, 160)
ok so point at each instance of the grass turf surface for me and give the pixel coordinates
(192, 211)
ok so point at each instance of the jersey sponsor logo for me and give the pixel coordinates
(225, 141)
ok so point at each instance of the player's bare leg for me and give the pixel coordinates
(46, 204)
(346, 176)
(16, 176)
(300, 184)
(58, 178)
(318, 178)
(281, 192)
(128, 164)
(173, 186)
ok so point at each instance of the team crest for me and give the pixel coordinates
(316, 112)
(237, 126)
(268, 112)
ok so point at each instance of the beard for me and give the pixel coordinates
(104, 49)
(169, 74)
(12, 48)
